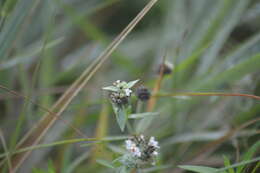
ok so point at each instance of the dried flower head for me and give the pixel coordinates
(143, 93)
(142, 149)
(165, 68)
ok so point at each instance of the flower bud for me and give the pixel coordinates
(143, 93)
(165, 68)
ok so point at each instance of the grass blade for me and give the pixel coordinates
(243, 163)
(249, 154)
(209, 94)
(199, 169)
(6, 150)
(12, 26)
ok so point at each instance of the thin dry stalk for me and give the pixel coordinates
(157, 86)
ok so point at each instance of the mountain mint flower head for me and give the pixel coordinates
(142, 150)
(120, 92)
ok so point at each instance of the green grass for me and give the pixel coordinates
(57, 55)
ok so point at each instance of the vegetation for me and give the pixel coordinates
(194, 108)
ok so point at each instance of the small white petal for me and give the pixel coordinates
(129, 144)
(136, 152)
(128, 92)
(153, 142)
(155, 153)
(142, 137)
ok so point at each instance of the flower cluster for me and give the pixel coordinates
(120, 92)
(123, 93)
(143, 149)
(122, 86)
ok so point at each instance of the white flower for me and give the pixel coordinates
(128, 92)
(129, 144)
(117, 82)
(142, 149)
(134, 150)
(155, 153)
(142, 137)
(153, 142)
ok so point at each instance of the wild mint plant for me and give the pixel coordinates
(119, 94)
(140, 151)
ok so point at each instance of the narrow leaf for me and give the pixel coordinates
(105, 163)
(121, 116)
(111, 88)
(121, 169)
(248, 155)
(143, 115)
(13, 25)
(227, 163)
(243, 163)
(199, 169)
(132, 83)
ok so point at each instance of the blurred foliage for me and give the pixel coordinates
(213, 45)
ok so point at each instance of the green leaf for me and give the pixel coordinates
(256, 167)
(131, 83)
(144, 123)
(234, 73)
(157, 168)
(29, 54)
(13, 25)
(143, 115)
(243, 163)
(51, 167)
(227, 163)
(249, 154)
(121, 115)
(122, 169)
(111, 88)
(105, 163)
(200, 169)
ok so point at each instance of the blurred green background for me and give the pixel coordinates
(213, 45)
